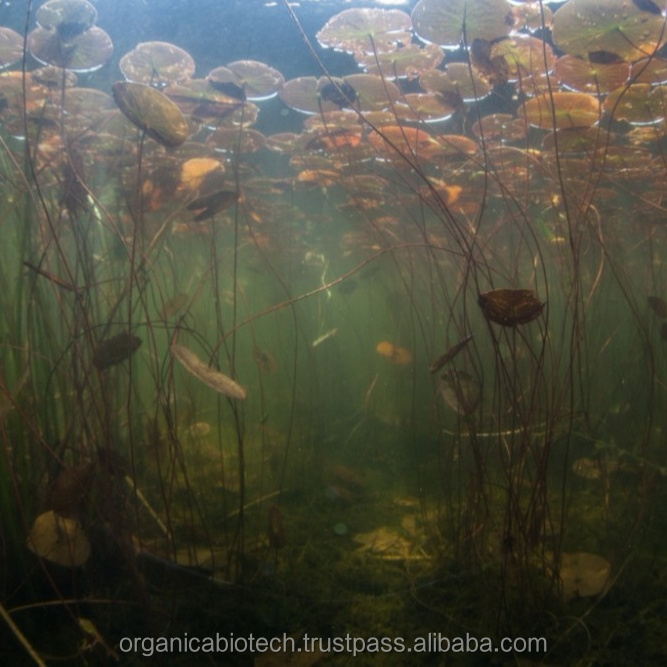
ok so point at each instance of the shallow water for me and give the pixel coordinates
(321, 264)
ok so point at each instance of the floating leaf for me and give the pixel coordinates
(152, 112)
(524, 56)
(366, 30)
(11, 47)
(446, 22)
(622, 27)
(510, 307)
(258, 81)
(85, 52)
(204, 102)
(157, 64)
(210, 377)
(459, 80)
(68, 17)
(561, 110)
(638, 104)
(587, 77)
(499, 127)
(407, 62)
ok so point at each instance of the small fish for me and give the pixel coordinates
(210, 377)
(320, 339)
(449, 355)
(658, 305)
(114, 350)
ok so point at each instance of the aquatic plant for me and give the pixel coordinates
(437, 273)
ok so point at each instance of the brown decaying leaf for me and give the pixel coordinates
(510, 307)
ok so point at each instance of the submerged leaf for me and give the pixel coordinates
(449, 355)
(461, 391)
(510, 307)
(59, 540)
(114, 350)
(583, 574)
(214, 379)
(152, 112)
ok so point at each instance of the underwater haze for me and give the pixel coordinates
(333, 332)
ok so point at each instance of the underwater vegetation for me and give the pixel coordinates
(371, 342)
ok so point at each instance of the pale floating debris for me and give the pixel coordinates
(388, 544)
(198, 429)
(59, 539)
(325, 336)
(583, 574)
(214, 379)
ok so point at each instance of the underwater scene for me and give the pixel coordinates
(333, 332)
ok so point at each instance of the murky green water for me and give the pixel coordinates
(311, 334)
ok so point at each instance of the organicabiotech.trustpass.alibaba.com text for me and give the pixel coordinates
(432, 642)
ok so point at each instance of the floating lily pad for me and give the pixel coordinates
(561, 110)
(197, 98)
(532, 16)
(445, 23)
(524, 56)
(650, 70)
(259, 81)
(11, 47)
(586, 77)
(638, 104)
(500, 127)
(457, 81)
(157, 64)
(152, 112)
(424, 107)
(366, 30)
(68, 17)
(405, 63)
(227, 82)
(626, 28)
(84, 52)
(54, 77)
(229, 140)
(366, 92)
